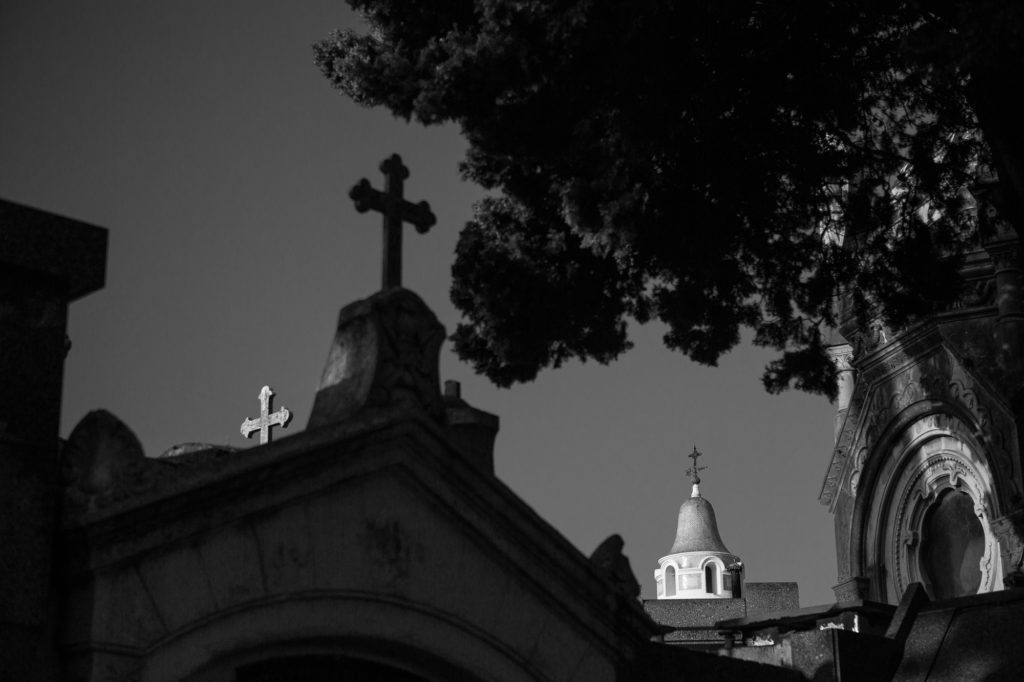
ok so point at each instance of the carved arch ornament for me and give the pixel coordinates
(918, 376)
(935, 453)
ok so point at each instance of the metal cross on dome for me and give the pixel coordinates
(266, 420)
(395, 210)
(694, 471)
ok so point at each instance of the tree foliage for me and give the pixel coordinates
(715, 164)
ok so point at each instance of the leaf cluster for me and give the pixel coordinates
(714, 164)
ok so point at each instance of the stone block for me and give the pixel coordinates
(232, 563)
(765, 600)
(971, 638)
(179, 586)
(357, 542)
(693, 612)
(594, 669)
(122, 610)
(852, 590)
(286, 549)
(470, 430)
(559, 648)
(62, 249)
(384, 355)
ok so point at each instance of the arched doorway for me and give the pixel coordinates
(952, 544)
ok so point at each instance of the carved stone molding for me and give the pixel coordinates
(842, 357)
(934, 454)
(920, 373)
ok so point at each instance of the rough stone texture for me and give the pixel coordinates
(45, 261)
(914, 599)
(384, 355)
(675, 664)
(40, 244)
(103, 465)
(765, 599)
(871, 616)
(851, 590)
(825, 654)
(471, 430)
(697, 529)
(970, 638)
(374, 528)
(609, 558)
(694, 622)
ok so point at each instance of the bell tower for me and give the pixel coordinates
(698, 566)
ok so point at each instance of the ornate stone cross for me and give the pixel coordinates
(396, 210)
(266, 418)
(694, 471)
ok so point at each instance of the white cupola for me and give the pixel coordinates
(698, 566)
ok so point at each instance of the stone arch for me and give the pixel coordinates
(413, 638)
(670, 580)
(711, 578)
(929, 449)
(714, 568)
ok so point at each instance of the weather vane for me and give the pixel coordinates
(694, 471)
(396, 210)
(266, 418)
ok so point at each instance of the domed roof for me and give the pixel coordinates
(697, 530)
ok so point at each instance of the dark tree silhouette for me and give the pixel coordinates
(714, 164)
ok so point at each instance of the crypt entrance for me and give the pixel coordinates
(930, 514)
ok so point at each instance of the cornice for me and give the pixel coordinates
(919, 366)
(404, 443)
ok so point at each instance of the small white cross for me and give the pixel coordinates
(266, 419)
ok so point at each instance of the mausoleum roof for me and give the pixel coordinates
(697, 530)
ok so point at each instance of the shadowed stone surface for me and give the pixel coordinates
(765, 599)
(471, 430)
(45, 262)
(373, 529)
(969, 638)
(695, 621)
(61, 249)
(609, 558)
(384, 354)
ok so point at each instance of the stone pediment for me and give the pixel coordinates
(370, 529)
(918, 373)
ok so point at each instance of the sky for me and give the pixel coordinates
(204, 139)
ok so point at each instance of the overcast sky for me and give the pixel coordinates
(203, 137)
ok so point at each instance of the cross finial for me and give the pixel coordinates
(694, 471)
(395, 210)
(266, 419)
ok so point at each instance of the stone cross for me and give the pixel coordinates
(266, 418)
(694, 471)
(396, 210)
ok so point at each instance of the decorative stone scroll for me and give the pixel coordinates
(914, 372)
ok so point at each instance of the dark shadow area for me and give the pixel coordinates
(322, 668)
